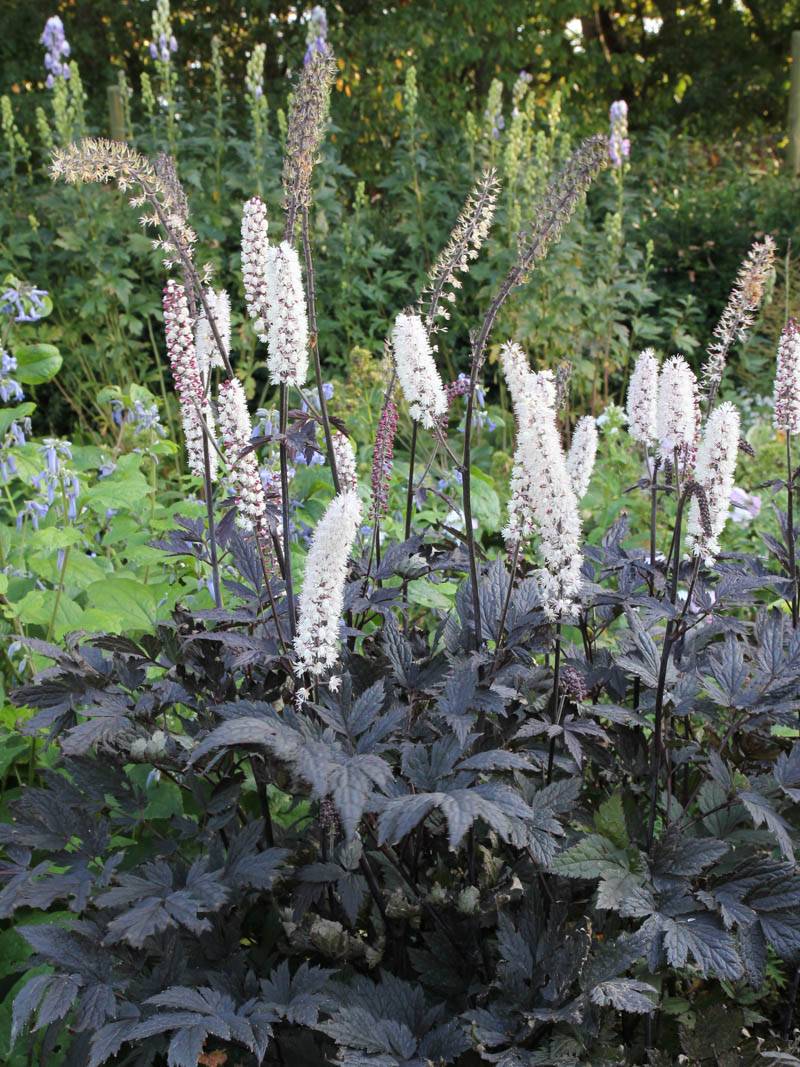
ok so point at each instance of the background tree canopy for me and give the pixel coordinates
(713, 67)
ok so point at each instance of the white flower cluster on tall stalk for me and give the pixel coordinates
(642, 406)
(321, 600)
(542, 496)
(208, 353)
(416, 371)
(787, 380)
(255, 243)
(287, 323)
(714, 472)
(195, 408)
(677, 409)
(345, 461)
(236, 432)
(582, 454)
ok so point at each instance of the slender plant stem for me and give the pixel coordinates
(655, 767)
(212, 533)
(504, 613)
(557, 710)
(790, 527)
(263, 800)
(653, 516)
(287, 548)
(262, 555)
(512, 279)
(669, 639)
(311, 303)
(410, 489)
(409, 505)
(59, 592)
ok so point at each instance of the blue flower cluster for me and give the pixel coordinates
(56, 51)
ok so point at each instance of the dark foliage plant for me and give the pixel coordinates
(499, 834)
(386, 876)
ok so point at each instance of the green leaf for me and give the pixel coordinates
(15, 414)
(79, 570)
(133, 604)
(36, 608)
(12, 745)
(127, 487)
(436, 595)
(485, 502)
(51, 538)
(37, 363)
(610, 821)
(593, 857)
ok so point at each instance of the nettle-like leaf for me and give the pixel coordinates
(644, 657)
(155, 901)
(787, 772)
(626, 994)
(763, 814)
(350, 780)
(389, 1024)
(297, 998)
(190, 1016)
(342, 876)
(700, 938)
(502, 809)
(763, 904)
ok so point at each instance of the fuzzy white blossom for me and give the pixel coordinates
(345, 461)
(642, 406)
(243, 470)
(254, 263)
(582, 454)
(542, 496)
(195, 408)
(287, 322)
(714, 472)
(677, 418)
(416, 371)
(787, 380)
(208, 353)
(321, 600)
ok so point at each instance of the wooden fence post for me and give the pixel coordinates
(793, 150)
(116, 113)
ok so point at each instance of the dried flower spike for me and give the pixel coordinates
(643, 399)
(714, 473)
(416, 371)
(321, 600)
(383, 459)
(306, 125)
(95, 159)
(469, 233)
(560, 200)
(739, 313)
(787, 380)
(287, 324)
(195, 409)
